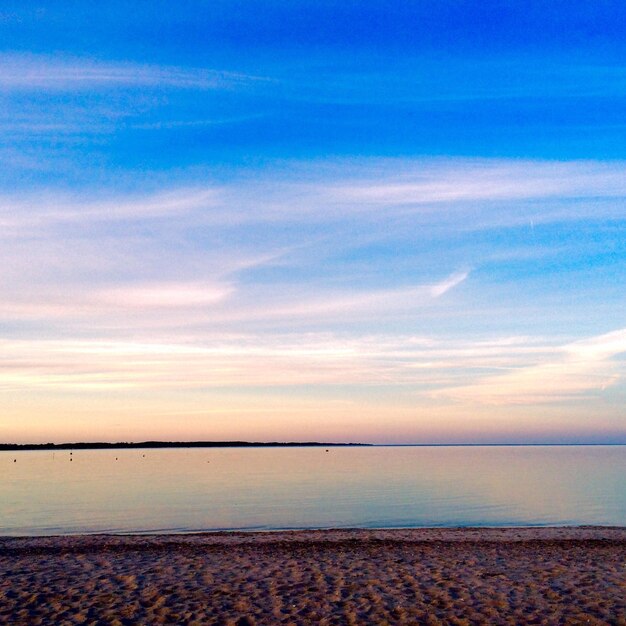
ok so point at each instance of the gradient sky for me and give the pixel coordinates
(367, 221)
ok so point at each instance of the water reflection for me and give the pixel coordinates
(201, 489)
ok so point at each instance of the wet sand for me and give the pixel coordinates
(419, 576)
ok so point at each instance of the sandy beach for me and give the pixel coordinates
(417, 576)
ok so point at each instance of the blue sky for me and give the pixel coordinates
(273, 220)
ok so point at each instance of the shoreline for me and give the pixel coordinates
(533, 575)
(422, 534)
(166, 445)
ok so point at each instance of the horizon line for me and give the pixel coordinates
(86, 445)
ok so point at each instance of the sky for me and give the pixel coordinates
(339, 221)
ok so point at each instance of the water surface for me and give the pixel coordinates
(186, 490)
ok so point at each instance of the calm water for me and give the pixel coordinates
(178, 490)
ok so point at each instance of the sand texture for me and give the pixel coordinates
(429, 576)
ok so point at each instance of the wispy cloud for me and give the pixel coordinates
(163, 296)
(196, 123)
(185, 304)
(571, 371)
(445, 285)
(49, 209)
(326, 303)
(230, 359)
(465, 194)
(368, 278)
(333, 189)
(316, 222)
(491, 181)
(32, 72)
(96, 303)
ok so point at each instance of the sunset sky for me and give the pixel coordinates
(286, 220)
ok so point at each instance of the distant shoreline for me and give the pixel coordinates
(81, 445)
(100, 445)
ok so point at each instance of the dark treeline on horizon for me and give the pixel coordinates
(167, 444)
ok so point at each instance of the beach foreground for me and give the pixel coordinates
(417, 576)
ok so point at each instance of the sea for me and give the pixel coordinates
(184, 490)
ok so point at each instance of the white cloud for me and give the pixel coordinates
(598, 348)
